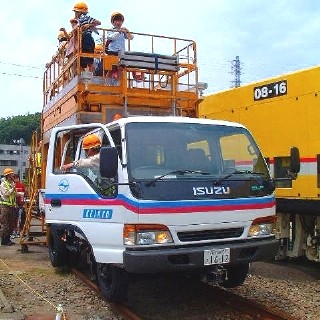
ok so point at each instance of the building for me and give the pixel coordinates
(16, 157)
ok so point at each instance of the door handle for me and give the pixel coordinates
(56, 202)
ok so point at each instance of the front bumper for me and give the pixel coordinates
(192, 257)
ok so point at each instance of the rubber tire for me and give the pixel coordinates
(236, 275)
(72, 259)
(57, 249)
(113, 282)
(24, 248)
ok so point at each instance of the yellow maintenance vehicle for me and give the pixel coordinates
(281, 112)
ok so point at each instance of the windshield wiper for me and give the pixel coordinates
(236, 172)
(177, 172)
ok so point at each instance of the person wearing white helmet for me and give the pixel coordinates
(7, 206)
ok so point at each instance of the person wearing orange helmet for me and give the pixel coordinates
(71, 37)
(118, 34)
(116, 43)
(63, 31)
(97, 62)
(91, 144)
(117, 116)
(62, 47)
(88, 25)
(7, 206)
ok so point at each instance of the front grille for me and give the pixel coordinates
(210, 234)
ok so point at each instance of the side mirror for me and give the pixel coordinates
(294, 160)
(108, 162)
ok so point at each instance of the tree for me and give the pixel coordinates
(14, 128)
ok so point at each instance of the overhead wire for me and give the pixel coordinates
(19, 74)
(21, 65)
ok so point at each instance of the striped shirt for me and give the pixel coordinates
(86, 19)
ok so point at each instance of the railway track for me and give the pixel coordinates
(163, 299)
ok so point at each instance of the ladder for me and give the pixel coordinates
(33, 230)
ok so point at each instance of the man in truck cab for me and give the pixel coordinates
(89, 165)
(91, 145)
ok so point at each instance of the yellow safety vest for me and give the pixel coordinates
(38, 159)
(11, 200)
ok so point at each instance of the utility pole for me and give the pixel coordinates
(236, 71)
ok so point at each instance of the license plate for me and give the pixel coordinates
(216, 256)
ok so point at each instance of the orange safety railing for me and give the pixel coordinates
(159, 67)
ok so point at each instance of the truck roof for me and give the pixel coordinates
(174, 119)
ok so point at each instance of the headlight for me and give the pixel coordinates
(264, 226)
(146, 234)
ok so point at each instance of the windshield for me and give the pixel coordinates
(183, 151)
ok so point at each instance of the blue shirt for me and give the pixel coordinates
(117, 40)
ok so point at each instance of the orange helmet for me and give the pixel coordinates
(61, 36)
(117, 116)
(7, 171)
(117, 15)
(98, 48)
(91, 141)
(80, 7)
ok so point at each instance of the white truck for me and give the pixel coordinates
(172, 194)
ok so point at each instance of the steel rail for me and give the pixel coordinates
(221, 296)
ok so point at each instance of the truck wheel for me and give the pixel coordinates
(57, 249)
(72, 249)
(113, 282)
(236, 275)
(24, 248)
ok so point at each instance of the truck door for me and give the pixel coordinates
(70, 192)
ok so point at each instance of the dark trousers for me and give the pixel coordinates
(88, 45)
(7, 218)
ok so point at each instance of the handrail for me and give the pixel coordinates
(153, 57)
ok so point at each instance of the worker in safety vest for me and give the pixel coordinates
(7, 206)
(38, 161)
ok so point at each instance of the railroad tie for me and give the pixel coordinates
(5, 306)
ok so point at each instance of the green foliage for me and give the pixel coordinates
(14, 128)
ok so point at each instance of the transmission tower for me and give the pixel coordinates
(236, 71)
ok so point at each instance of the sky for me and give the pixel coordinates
(270, 37)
